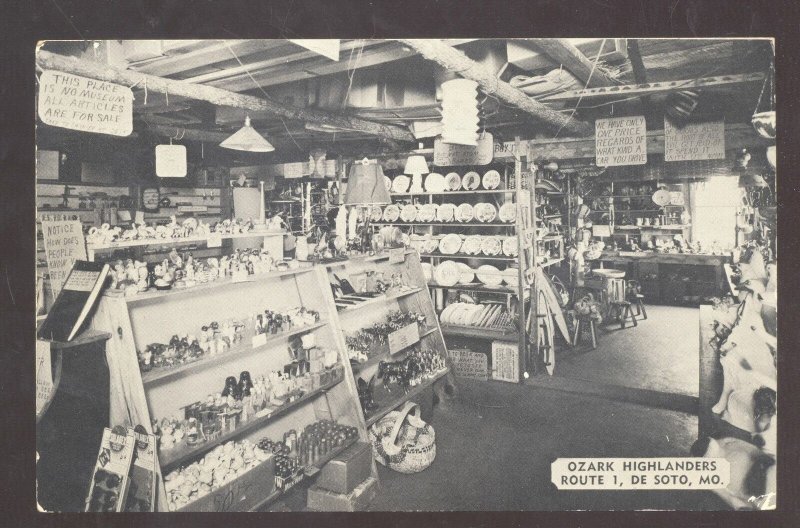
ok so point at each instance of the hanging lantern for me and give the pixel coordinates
(460, 112)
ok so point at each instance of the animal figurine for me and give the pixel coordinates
(400, 372)
(365, 394)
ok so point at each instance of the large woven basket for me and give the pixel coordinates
(402, 441)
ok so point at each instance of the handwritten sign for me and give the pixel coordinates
(403, 338)
(469, 364)
(170, 161)
(620, 141)
(63, 245)
(448, 154)
(44, 376)
(694, 141)
(89, 105)
(505, 361)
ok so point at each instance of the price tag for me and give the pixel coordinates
(403, 338)
(397, 255)
(214, 240)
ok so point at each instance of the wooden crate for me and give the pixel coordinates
(241, 494)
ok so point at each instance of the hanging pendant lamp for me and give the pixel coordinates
(247, 139)
(460, 112)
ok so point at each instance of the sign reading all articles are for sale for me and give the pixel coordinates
(80, 103)
(640, 473)
(620, 141)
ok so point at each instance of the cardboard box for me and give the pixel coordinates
(347, 470)
(357, 500)
(109, 485)
(241, 494)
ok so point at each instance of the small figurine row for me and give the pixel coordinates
(188, 228)
(214, 339)
(271, 322)
(365, 340)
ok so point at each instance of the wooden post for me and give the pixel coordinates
(456, 61)
(52, 61)
(563, 52)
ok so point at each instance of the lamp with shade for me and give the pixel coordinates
(366, 188)
(247, 139)
(416, 166)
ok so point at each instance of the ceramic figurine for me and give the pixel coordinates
(231, 387)
(245, 385)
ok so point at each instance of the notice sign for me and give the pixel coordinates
(505, 361)
(449, 154)
(620, 141)
(403, 338)
(469, 364)
(63, 245)
(80, 103)
(640, 473)
(694, 141)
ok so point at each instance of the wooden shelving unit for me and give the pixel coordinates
(138, 398)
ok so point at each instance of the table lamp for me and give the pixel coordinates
(416, 166)
(366, 187)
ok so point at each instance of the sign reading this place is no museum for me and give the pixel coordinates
(89, 105)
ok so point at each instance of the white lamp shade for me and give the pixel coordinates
(460, 112)
(247, 139)
(416, 164)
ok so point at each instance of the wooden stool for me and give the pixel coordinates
(635, 297)
(592, 330)
(622, 311)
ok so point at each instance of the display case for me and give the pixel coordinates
(298, 375)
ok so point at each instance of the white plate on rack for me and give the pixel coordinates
(467, 273)
(491, 180)
(447, 273)
(444, 317)
(434, 183)
(445, 212)
(472, 244)
(453, 181)
(391, 213)
(491, 246)
(510, 246)
(489, 275)
(511, 277)
(432, 244)
(375, 213)
(427, 213)
(400, 183)
(485, 212)
(471, 181)
(508, 212)
(388, 181)
(450, 244)
(464, 213)
(408, 213)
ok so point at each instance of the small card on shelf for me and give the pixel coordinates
(403, 338)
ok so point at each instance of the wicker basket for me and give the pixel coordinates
(402, 441)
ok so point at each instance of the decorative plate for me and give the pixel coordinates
(392, 212)
(467, 273)
(450, 244)
(491, 180)
(489, 275)
(510, 246)
(491, 246)
(408, 213)
(400, 183)
(464, 212)
(471, 181)
(511, 277)
(427, 213)
(376, 213)
(453, 181)
(485, 212)
(472, 245)
(661, 197)
(508, 212)
(446, 212)
(444, 317)
(447, 273)
(431, 245)
(388, 181)
(434, 183)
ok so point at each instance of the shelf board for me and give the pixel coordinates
(448, 224)
(468, 257)
(384, 353)
(379, 299)
(244, 350)
(477, 288)
(445, 193)
(150, 296)
(390, 406)
(173, 241)
(475, 332)
(170, 458)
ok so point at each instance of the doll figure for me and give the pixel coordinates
(245, 385)
(205, 340)
(231, 388)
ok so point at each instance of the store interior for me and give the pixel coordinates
(339, 269)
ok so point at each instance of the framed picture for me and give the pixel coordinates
(150, 198)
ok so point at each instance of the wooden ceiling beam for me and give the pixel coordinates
(457, 62)
(217, 52)
(51, 61)
(563, 52)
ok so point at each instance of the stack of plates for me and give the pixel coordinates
(467, 273)
(447, 273)
(489, 275)
(468, 314)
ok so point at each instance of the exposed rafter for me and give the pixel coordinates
(457, 62)
(51, 61)
(565, 53)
